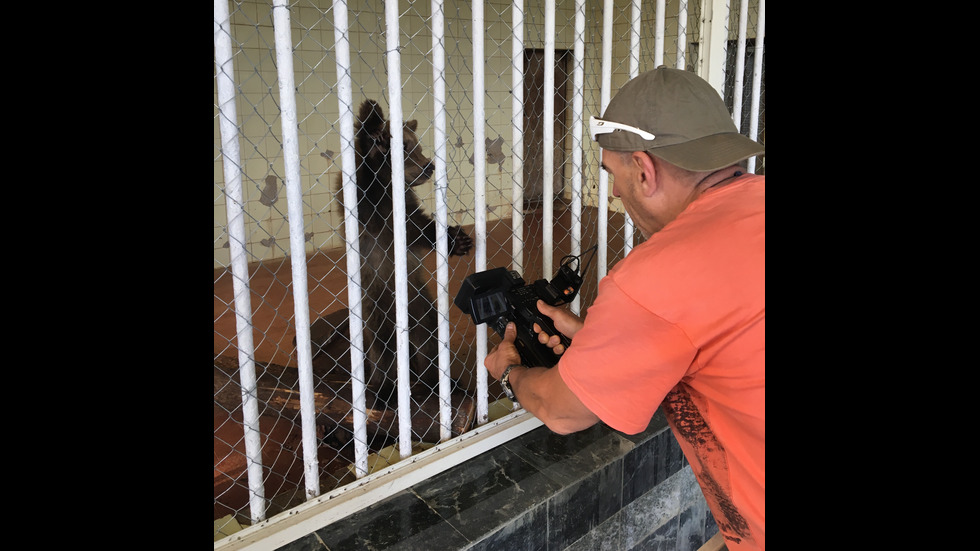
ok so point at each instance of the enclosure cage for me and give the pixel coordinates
(501, 93)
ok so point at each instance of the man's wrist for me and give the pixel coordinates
(505, 380)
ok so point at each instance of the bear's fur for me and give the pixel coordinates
(376, 240)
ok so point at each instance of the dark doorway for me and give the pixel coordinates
(534, 123)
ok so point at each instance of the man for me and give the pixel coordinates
(681, 320)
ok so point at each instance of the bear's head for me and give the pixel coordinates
(374, 142)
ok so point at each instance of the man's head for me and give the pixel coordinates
(674, 115)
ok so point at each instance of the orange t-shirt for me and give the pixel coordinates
(681, 321)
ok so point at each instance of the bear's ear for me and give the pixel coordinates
(373, 133)
(412, 124)
(372, 119)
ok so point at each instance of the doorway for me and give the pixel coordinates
(534, 124)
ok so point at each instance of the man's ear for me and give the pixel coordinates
(648, 177)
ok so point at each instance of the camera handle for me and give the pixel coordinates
(533, 353)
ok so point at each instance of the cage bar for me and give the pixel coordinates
(396, 122)
(441, 190)
(547, 214)
(743, 17)
(517, 133)
(353, 255)
(628, 226)
(681, 62)
(658, 43)
(235, 207)
(760, 35)
(297, 246)
(578, 100)
(634, 53)
(480, 196)
(714, 43)
(602, 201)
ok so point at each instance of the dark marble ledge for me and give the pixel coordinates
(500, 495)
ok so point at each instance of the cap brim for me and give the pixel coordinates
(710, 152)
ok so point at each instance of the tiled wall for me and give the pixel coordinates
(315, 78)
(594, 490)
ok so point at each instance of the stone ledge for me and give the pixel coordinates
(590, 490)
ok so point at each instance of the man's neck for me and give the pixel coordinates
(719, 178)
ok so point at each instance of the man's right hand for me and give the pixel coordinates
(565, 322)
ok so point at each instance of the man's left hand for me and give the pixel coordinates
(503, 354)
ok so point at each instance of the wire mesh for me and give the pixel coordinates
(267, 230)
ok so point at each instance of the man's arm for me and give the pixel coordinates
(539, 390)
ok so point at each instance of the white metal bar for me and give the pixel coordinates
(517, 133)
(234, 206)
(603, 199)
(740, 65)
(353, 255)
(760, 35)
(628, 226)
(396, 123)
(578, 100)
(658, 46)
(548, 189)
(337, 504)
(442, 215)
(480, 195)
(658, 60)
(714, 43)
(681, 62)
(297, 242)
(634, 53)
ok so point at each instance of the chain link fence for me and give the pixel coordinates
(260, 350)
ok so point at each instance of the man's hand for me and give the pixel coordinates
(541, 390)
(565, 322)
(504, 353)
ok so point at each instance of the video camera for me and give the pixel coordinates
(499, 295)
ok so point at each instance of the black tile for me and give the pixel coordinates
(674, 455)
(402, 521)
(605, 537)
(584, 505)
(648, 463)
(710, 525)
(640, 471)
(486, 493)
(568, 459)
(663, 539)
(540, 491)
(669, 457)
(690, 530)
(529, 532)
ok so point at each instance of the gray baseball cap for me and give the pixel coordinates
(677, 116)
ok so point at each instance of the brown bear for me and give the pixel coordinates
(376, 239)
